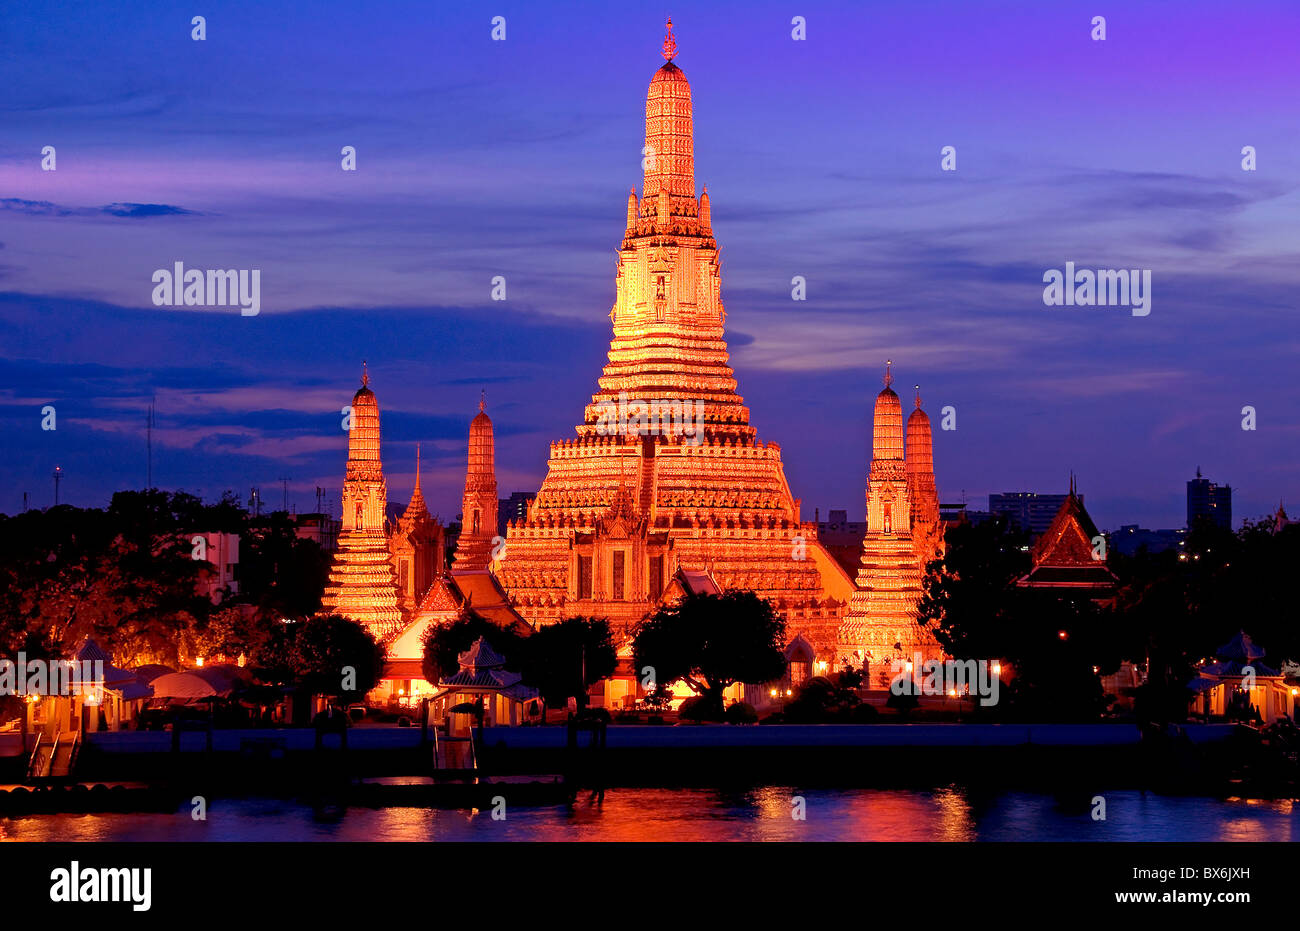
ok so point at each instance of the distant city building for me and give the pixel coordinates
(1028, 510)
(513, 508)
(221, 551)
(1206, 500)
(319, 527)
(1130, 538)
(842, 538)
(956, 513)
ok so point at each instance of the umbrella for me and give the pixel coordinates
(148, 673)
(184, 685)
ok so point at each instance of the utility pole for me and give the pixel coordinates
(148, 431)
(58, 476)
(284, 484)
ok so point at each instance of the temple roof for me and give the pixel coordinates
(1063, 556)
(417, 509)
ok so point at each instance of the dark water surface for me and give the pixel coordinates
(759, 814)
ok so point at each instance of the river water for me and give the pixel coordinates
(757, 814)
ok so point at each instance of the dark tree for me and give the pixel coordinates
(324, 647)
(561, 660)
(445, 642)
(712, 641)
(1056, 642)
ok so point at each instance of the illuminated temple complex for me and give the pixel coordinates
(664, 488)
(665, 472)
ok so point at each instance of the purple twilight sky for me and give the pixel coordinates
(479, 158)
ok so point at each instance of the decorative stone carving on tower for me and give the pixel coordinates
(667, 430)
(479, 506)
(417, 547)
(881, 624)
(361, 583)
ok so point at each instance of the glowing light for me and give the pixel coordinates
(200, 662)
(997, 668)
(1062, 634)
(773, 693)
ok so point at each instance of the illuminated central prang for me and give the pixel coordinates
(631, 500)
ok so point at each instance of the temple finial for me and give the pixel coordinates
(670, 46)
(889, 376)
(482, 399)
(365, 375)
(417, 467)
(918, 396)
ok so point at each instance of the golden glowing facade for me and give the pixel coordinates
(361, 581)
(902, 536)
(665, 471)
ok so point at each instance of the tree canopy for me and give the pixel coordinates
(711, 642)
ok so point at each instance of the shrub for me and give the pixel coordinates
(740, 713)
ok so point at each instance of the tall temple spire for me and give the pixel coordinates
(666, 438)
(417, 509)
(479, 506)
(881, 624)
(361, 582)
(670, 46)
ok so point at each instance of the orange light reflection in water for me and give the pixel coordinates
(659, 815)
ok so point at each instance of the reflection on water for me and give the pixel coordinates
(759, 814)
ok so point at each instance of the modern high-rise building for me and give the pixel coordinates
(1206, 500)
(513, 508)
(1028, 510)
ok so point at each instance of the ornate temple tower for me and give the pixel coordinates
(361, 584)
(417, 547)
(881, 622)
(479, 506)
(665, 471)
(927, 531)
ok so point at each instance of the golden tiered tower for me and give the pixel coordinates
(881, 624)
(927, 531)
(361, 583)
(665, 470)
(478, 526)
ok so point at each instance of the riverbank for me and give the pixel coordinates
(1070, 758)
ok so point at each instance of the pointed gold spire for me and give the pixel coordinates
(482, 399)
(918, 396)
(417, 468)
(889, 375)
(365, 375)
(670, 46)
